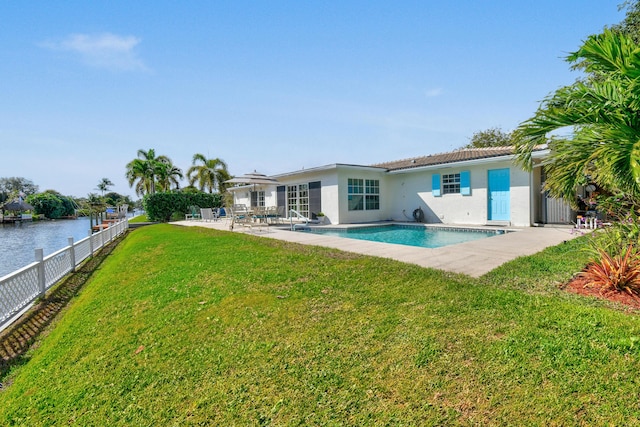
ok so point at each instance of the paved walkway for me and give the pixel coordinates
(473, 258)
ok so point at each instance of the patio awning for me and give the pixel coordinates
(253, 178)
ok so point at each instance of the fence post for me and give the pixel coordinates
(91, 242)
(42, 283)
(72, 253)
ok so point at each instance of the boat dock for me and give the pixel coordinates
(10, 219)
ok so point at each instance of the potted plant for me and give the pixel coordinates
(321, 218)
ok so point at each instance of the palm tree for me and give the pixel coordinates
(144, 170)
(222, 176)
(168, 174)
(104, 185)
(209, 174)
(603, 112)
(140, 173)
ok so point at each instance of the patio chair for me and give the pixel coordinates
(240, 212)
(252, 223)
(225, 213)
(272, 214)
(247, 219)
(239, 215)
(216, 213)
(193, 213)
(275, 214)
(259, 214)
(229, 217)
(206, 214)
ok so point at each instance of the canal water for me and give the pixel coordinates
(19, 241)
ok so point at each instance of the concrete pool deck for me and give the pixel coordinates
(473, 258)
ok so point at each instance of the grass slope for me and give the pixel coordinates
(139, 218)
(189, 326)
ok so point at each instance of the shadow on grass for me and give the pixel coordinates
(17, 339)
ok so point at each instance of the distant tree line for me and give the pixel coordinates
(154, 177)
(52, 204)
(11, 188)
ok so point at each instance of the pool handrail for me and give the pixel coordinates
(299, 216)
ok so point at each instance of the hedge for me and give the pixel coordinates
(161, 206)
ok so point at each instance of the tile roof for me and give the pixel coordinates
(450, 157)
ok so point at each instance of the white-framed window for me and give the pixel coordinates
(451, 183)
(363, 194)
(372, 194)
(257, 198)
(298, 199)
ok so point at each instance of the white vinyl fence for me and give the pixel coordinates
(18, 290)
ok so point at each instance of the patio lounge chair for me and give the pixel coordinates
(193, 214)
(207, 214)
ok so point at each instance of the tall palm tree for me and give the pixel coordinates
(104, 185)
(168, 174)
(603, 112)
(210, 174)
(223, 175)
(140, 173)
(144, 170)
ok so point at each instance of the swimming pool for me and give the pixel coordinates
(410, 235)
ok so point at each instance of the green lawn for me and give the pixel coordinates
(192, 326)
(139, 218)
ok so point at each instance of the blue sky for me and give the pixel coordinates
(272, 86)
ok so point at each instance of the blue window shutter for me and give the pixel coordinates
(435, 185)
(465, 183)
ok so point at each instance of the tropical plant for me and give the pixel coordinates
(209, 174)
(617, 273)
(116, 199)
(603, 113)
(104, 185)
(168, 175)
(145, 170)
(94, 199)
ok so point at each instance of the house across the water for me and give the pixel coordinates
(478, 186)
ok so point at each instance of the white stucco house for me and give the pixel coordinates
(479, 186)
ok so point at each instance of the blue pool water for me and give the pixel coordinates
(410, 235)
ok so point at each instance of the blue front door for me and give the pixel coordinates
(499, 196)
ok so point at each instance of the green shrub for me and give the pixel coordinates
(51, 204)
(165, 206)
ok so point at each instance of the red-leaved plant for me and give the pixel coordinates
(619, 273)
